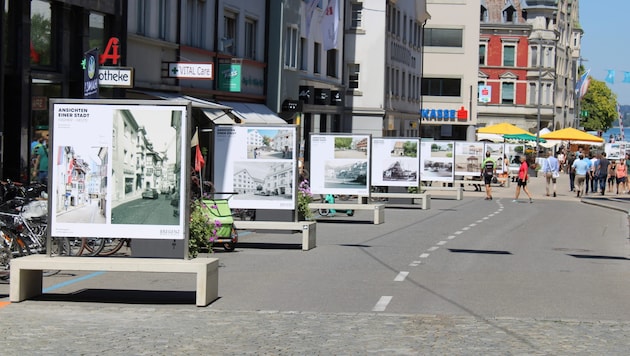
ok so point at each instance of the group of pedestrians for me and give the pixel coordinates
(595, 172)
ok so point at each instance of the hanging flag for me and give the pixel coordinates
(330, 25)
(309, 12)
(199, 161)
(582, 84)
(610, 77)
(626, 77)
(194, 141)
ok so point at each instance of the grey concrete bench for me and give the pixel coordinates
(307, 228)
(425, 199)
(26, 272)
(459, 191)
(378, 209)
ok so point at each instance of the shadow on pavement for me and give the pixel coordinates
(486, 252)
(599, 257)
(269, 246)
(123, 296)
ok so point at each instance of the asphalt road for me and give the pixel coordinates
(465, 277)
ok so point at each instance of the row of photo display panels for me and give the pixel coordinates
(350, 164)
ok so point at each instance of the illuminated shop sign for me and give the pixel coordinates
(444, 114)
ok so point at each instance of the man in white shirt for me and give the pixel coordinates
(551, 169)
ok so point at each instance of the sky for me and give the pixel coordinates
(605, 43)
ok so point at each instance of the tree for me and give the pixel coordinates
(600, 104)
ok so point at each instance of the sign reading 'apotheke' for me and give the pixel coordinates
(191, 70)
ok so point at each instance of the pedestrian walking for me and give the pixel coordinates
(571, 172)
(622, 176)
(594, 174)
(602, 172)
(581, 167)
(488, 171)
(523, 177)
(551, 170)
(40, 169)
(612, 176)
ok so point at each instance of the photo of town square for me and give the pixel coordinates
(437, 160)
(468, 158)
(400, 170)
(270, 143)
(351, 147)
(81, 184)
(263, 180)
(146, 168)
(404, 149)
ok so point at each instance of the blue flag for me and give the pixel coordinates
(626, 77)
(610, 78)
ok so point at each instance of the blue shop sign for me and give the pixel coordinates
(444, 114)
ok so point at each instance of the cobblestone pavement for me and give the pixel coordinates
(44, 328)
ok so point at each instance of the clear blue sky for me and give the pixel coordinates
(605, 44)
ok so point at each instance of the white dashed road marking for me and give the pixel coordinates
(424, 255)
(441, 243)
(382, 303)
(401, 276)
(431, 249)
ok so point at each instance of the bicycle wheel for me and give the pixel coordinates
(230, 246)
(111, 246)
(60, 246)
(323, 212)
(92, 246)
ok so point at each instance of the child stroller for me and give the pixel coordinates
(218, 211)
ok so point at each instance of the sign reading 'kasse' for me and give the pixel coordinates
(191, 70)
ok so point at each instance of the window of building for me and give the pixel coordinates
(482, 54)
(142, 15)
(163, 19)
(96, 31)
(534, 55)
(331, 63)
(317, 65)
(195, 33)
(303, 53)
(443, 37)
(483, 15)
(41, 33)
(508, 55)
(507, 93)
(402, 85)
(441, 86)
(291, 47)
(354, 70)
(510, 15)
(250, 38)
(229, 32)
(404, 28)
(532, 94)
(356, 15)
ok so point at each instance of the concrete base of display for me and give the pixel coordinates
(307, 228)
(425, 199)
(379, 209)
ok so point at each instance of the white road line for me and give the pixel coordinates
(441, 243)
(472, 225)
(465, 228)
(417, 262)
(458, 232)
(486, 218)
(424, 255)
(451, 237)
(479, 221)
(401, 276)
(413, 265)
(382, 303)
(431, 249)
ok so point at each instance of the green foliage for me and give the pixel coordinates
(601, 104)
(343, 142)
(410, 148)
(201, 232)
(304, 198)
(41, 37)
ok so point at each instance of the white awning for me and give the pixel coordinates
(253, 113)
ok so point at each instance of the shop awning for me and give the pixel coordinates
(217, 113)
(253, 113)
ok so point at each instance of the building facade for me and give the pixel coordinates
(528, 54)
(450, 71)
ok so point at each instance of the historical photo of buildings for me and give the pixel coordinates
(351, 147)
(263, 180)
(468, 158)
(147, 163)
(81, 184)
(400, 170)
(270, 144)
(436, 161)
(345, 173)
(404, 149)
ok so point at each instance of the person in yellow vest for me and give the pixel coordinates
(488, 171)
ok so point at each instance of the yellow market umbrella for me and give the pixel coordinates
(570, 134)
(502, 129)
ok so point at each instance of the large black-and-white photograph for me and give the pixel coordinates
(263, 180)
(146, 167)
(400, 170)
(345, 174)
(81, 187)
(436, 162)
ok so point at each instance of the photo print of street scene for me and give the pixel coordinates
(351, 147)
(270, 143)
(468, 158)
(81, 184)
(147, 166)
(345, 173)
(271, 181)
(400, 171)
(437, 160)
(497, 154)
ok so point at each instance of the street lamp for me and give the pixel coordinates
(540, 41)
